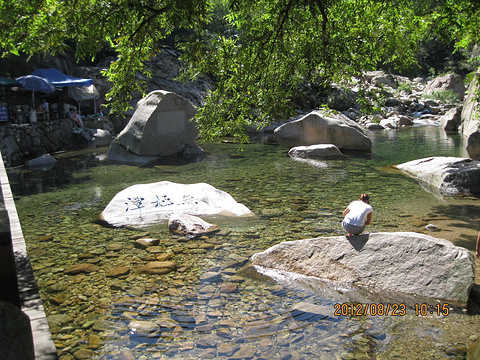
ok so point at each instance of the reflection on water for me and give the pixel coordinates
(100, 307)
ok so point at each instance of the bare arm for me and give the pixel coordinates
(346, 211)
(369, 219)
(478, 246)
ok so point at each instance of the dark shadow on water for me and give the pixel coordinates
(359, 241)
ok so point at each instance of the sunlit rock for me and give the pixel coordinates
(145, 204)
(450, 175)
(317, 128)
(184, 224)
(453, 82)
(159, 127)
(315, 151)
(405, 262)
(451, 120)
(470, 123)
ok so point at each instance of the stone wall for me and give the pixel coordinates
(22, 142)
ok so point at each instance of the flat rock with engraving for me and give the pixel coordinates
(145, 204)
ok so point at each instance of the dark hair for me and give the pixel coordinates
(364, 198)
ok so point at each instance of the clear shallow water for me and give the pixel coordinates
(209, 308)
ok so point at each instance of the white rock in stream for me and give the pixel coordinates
(405, 262)
(450, 175)
(146, 204)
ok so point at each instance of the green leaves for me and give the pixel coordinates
(267, 58)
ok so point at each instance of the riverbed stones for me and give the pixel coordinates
(159, 127)
(146, 204)
(450, 175)
(157, 268)
(317, 128)
(314, 151)
(184, 224)
(81, 268)
(145, 243)
(403, 261)
(118, 272)
(143, 328)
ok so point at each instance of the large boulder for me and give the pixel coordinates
(450, 175)
(146, 204)
(403, 262)
(317, 128)
(159, 127)
(453, 82)
(451, 120)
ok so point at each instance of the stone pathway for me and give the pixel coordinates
(31, 304)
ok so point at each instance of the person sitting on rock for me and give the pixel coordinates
(77, 118)
(357, 215)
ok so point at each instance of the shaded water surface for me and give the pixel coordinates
(99, 307)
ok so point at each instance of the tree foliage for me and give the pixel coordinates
(260, 53)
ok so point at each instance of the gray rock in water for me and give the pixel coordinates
(315, 151)
(450, 175)
(452, 119)
(44, 162)
(405, 262)
(185, 224)
(159, 127)
(316, 128)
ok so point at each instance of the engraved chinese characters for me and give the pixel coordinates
(145, 204)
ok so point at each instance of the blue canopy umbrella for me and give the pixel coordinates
(35, 83)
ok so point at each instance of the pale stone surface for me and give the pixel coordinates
(159, 127)
(470, 127)
(317, 128)
(98, 137)
(143, 327)
(405, 262)
(452, 82)
(145, 204)
(185, 224)
(451, 120)
(315, 151)
(450, 175)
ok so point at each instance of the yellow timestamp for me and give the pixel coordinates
(425, 309)
(374, 309)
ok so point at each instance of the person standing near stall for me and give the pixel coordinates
(45, 109)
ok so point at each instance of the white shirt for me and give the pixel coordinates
(358, 211)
